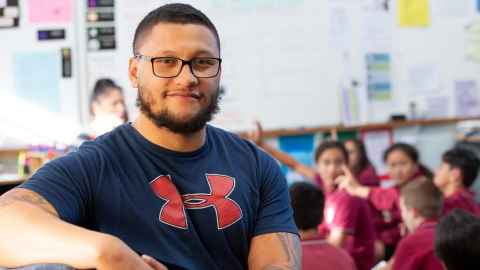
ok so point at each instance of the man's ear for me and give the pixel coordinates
(133, 71)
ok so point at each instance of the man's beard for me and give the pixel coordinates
(166, 119)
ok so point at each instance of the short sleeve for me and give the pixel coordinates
(384, 199)
(67, 184)
(275, 213)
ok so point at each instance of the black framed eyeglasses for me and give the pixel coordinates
(170, 67)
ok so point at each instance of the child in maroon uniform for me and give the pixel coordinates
(420, 204)
(455, 175)
(359, 163)
(347, 222)
(403, 166)
(308, 204)
(457, 240)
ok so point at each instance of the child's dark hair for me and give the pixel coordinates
(307, 203)
(327, 145)
(466, 161)
(103, 87)
(412, 153)
(364, 162)
(457, 240)
(172, 13)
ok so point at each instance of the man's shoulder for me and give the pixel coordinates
(221, 134)
(112, 139)
(234, 142)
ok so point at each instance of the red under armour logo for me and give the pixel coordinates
(173, 213)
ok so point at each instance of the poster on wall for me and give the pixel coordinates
(379, 85)
(467, 102)
(413, 13)
(50, 11)
(42, 85)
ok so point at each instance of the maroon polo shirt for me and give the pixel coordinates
(318, 254)
(416, 251)
(463, 199)
(352, 215)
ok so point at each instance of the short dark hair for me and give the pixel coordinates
(457, 240)
(412, 153)
(423, 196)
(307, 203)
(172, 13)
(466, 161)
(327, 145)
(102, 87)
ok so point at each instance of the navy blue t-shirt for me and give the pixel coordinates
(196, 210)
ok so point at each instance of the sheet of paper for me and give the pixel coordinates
(473, 40)
(452, 9)
(37, 77)
(340, 28)
(423, 78)
(376, 30)
(378, 76)
(467, 102)
(50, 11)
(437, 106)
(413, 13)
(376, 142)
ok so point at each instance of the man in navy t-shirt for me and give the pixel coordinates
(185, 194)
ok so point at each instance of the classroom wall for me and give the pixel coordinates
(288, 63)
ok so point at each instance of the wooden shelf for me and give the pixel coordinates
(366, 127)
(11, 151)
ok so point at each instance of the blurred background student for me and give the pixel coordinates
(455, 175)
(107, 109)
(308, 204)
(360, 164)
(457, 240)
(421, 206)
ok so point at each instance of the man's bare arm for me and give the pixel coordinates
(26, 196)
(32, 233)
(275, 251)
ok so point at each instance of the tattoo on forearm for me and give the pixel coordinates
(291, 247)
(23, 195)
